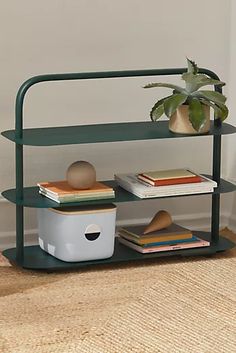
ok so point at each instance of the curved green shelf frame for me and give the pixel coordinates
(112, 132)
(34, 257)
(32, 198)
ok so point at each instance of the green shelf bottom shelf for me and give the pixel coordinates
(37, 259)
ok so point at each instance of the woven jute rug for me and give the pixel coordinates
(174, 305)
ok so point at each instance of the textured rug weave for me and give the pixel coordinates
(174, 305)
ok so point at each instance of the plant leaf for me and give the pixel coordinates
(221, 111)
(213, 96)
(157, 110)
(192, 67)
(212, 105)
(190, 81)
(194, 82)
(196, 114)
(209, 81)
(173, 102)
(224, 111)
(167, 85)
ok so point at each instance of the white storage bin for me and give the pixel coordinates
(78, 234)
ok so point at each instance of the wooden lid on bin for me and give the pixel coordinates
(72, 210)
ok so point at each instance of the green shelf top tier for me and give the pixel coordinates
(111, 132)
(32, 198)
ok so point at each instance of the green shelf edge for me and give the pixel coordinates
(37, 259)
(111, 132)
(32, 198)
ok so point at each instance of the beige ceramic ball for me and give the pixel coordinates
(81, 175)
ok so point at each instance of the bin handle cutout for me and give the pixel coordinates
(92, 232)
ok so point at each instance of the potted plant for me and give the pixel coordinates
(189, 108)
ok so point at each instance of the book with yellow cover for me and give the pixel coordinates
(145, 240)
(168, 174)
(173, 232)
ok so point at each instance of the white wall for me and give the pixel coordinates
(73, 36)
(231, 148)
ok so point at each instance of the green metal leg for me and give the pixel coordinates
(215, 219)
(20, 234)
(19, 207)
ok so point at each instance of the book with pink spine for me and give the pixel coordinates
(178, 246)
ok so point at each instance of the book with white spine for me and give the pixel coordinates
(133, 184)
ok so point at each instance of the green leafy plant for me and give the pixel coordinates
(191, 95)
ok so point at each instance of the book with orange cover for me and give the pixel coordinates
(62, 188)
(61, 192)
(172, 181)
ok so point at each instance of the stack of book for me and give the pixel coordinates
(165, 183)
(61, 192)
(169, 177)
(174, 237)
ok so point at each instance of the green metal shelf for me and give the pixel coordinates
(33, 257)
(113, 132)
(32, 198)
(37, 259)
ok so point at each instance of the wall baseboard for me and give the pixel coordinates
(2, 199)
(196, 221)
(8, 239)
(232, 223)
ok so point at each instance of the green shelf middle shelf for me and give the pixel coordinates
(32, 198)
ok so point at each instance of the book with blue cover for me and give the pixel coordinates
(159, 243)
